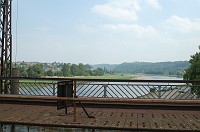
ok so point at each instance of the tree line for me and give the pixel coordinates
(162, 68)
(63, 69)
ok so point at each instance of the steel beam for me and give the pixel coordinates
(103, 100)
(5, 42)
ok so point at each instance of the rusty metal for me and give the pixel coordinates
(147, 89)
(112, 120)
(104, 100)
(5, 43)
(100, 80)
(107, 119)
(74, 101)
(138, 89)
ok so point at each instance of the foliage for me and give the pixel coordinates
(49, 73)
(22, 71)
(193, 72)
(164, 68)
(66, 70)
(36, 71)
(58, 69)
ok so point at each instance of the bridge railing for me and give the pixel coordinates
(108, 88)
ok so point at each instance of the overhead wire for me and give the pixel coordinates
(16, 34)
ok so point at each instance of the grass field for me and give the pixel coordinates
(107, 76)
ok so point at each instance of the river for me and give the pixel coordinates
(157, 77)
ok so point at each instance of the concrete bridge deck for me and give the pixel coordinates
(105, 118)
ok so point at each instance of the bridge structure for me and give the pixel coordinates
(91, 104)
(101, 104)
(5, 42)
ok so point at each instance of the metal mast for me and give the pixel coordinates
(5, 42)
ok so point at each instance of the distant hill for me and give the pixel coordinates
(109, 67)
(164, 68)
(167, 68)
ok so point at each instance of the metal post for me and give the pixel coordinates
(5, 43)
(14, 89)
(105, 90)
(1, 128)
(12, 128)
(54, 89)
(1, 86)
(159, 92)
(74, 101)
(6, 86)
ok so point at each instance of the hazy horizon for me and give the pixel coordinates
(97, 63)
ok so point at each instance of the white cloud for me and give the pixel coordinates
(134, 28)
(183, 24)
(154, 4)
(119, 9)
(135, 42)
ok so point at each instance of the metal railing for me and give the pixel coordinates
(38, 88)
(106, 91)
(107, 88)
(138, 90)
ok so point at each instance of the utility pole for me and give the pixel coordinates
(5, 43)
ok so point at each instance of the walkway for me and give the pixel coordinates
(121, 119)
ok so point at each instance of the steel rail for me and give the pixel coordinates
(102, 100)
(100, 80)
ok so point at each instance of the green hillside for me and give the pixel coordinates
(164, 68)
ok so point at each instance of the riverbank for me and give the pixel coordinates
(128, 77)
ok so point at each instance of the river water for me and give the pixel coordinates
(98, 89)
(158, 77)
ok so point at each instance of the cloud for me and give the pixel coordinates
(130, 42)
(119, 9)
(185, 25)
(134, 28)
(154, 4)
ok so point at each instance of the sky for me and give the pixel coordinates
(105, 31)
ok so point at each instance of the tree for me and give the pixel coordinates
(49, 73)
(58, 73)
(22, 71)
(66, 70)
(98, 72)
(193, 72)
(36, 71)
(82, 70)
(74, 70)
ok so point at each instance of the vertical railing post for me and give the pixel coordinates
(6, 85)
(12, 128)
(1, 86)
(1, 128)
(74, 101)
(54, 89)
(159, 92)
(14, 88)
(105, 90)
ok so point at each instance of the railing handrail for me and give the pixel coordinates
(99, 80)
(103, 100)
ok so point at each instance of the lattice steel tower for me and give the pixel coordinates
(5, 41)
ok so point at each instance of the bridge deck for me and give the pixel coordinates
(122, 119)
